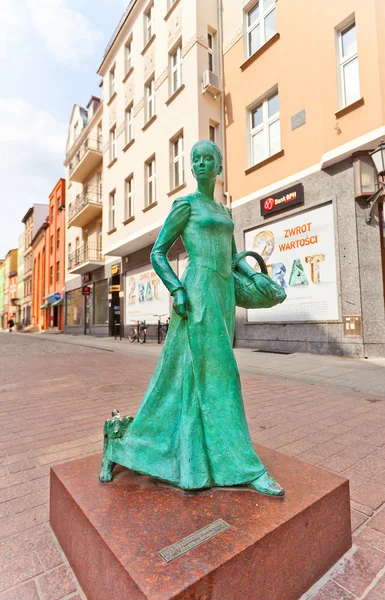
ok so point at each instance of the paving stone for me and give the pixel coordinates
(57, 584)
(338, 463)
(371, 466)
(371, 495)
(360, 570)
(357, 519)
(356, 479)
(26, 591)
(50, 556)
(20, 569)
(372, 537)
(332, 591)
(25, 520)
(378, 521)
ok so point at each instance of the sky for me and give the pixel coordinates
(50, 51)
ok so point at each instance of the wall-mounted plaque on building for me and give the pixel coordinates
(288, 198)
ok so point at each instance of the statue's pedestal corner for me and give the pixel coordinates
(112, 533)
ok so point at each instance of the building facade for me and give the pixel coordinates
(305, 104)
(39, 261)
(55, 244)
(2, 286)
(10, 287)
(33, 220)
(20, 280)
(161, 80)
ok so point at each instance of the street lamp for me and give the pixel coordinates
(368, 170)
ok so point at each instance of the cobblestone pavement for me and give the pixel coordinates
(54, 398)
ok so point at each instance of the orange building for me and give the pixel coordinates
(48, 247)
(55, 257)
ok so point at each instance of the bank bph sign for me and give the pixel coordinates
(289, 198)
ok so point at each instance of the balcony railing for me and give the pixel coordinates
(86, 253)
(91, 145)
(91, 195)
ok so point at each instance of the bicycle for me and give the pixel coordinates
(138, 332)
(162, 328)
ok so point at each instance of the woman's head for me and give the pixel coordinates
(206, 160)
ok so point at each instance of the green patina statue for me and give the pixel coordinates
(191, 429)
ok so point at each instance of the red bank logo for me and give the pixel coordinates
(269, 204)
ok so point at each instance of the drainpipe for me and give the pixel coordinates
(222, 100)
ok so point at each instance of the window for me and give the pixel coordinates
(112, 81)
(176, 69)
(111, 214)
(150, 97)
(113, 143)
(51, 275)
(51, 245)
(177, 161)
(149, 24)
(100, 136)
(210, 43)
(58, 271)
(52, 211)
(76, 131)
(58, 204)
(74, 304)
(129, 117)
(69, 250)
(349, 77)
(100, 239)
(265, 136)
(58, 239)
(128, 197)
(260, 25)
(150, 182)
(100, 297)
(128, 56)
(213, 133)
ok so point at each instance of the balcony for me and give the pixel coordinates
(87, 206)
(87, 158)
(85, 259)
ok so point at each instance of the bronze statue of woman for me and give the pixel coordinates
(191, 429)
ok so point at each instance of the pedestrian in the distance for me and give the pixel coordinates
(11, 325)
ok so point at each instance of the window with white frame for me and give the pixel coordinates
(265, 132)
(111, 210)
(176, 69)
(211, 50)
(349, 77)
(150, 181)
(113, 143)
(129, 118)
(260, 25)
(128, 56)
(177, 161)
(129, 197)
(149, 23)
(150, 98)
(112, 81)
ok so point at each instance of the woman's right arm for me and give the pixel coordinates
(173, 227)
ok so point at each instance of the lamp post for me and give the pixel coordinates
(368, 171)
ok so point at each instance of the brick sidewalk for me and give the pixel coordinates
(54, 399)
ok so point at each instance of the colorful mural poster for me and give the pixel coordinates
(146, 296)
(300, 255)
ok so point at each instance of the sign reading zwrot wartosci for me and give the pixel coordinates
(145, 296)
(300, 255)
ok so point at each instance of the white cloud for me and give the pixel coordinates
(32, 150)
(13, 25)
(67, 33)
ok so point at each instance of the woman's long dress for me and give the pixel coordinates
(190, 429)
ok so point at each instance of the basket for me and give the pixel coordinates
(257, 291)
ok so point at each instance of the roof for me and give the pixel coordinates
(30, 210)
(117, 31)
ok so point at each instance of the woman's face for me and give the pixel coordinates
(204, 164)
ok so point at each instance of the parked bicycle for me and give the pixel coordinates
(162, 328)
(138, 332)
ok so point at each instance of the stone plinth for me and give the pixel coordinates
(274, 549)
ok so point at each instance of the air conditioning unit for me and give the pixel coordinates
(211, 84)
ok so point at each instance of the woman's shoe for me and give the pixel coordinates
(266, 484)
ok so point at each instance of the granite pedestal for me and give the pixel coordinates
(274, 549)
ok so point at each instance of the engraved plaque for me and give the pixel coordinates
(192, 541)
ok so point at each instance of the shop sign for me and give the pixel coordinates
(115, 269)
(86, 290)
(288, 198)
(114, 288)
(145, 296)
(57, 296)
(300, 256)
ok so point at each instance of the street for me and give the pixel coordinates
(55, 396)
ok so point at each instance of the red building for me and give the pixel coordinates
(49, 264)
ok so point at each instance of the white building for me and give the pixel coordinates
(162, 79)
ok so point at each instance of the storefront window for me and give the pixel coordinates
(101, 302)
(74, 301)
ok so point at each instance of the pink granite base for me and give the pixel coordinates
(275, 549)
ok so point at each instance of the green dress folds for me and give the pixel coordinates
(191, 429)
